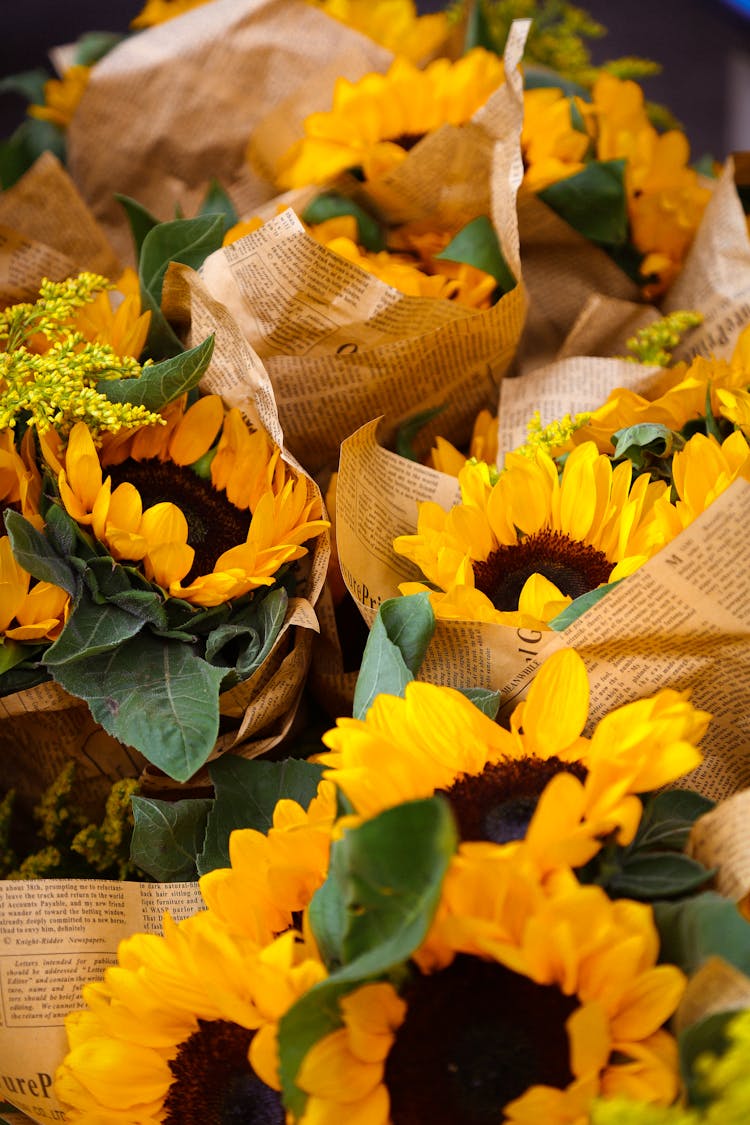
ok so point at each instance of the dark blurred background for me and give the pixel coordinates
(703, 46)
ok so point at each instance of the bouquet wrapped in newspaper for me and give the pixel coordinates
(157, 555)
(342, 960)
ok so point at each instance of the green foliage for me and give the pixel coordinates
(161, 383)
(168, 836)
(411, 428)
(707, 925)
(189, 241)
(388, 874)
(331, 205)
(477, 244)
(217, 202)
(395, 649)
(593, 202)
(654, 865)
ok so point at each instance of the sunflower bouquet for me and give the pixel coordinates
(342, 960)
(152, 535)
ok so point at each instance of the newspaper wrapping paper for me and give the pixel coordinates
(679, 621)
(340, 346)
(46, 206)
(183, 98)
(721, 839)
(56, 935)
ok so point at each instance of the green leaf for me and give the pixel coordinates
(668, 817)
(579, 606)
(409, 430)
(23, 676)
(593, 202)
(110, 583)
(28, 83)
(330, 205)
(156, 696)
(539, 77)
(189, 241)
(246, 795)
(217, 202)
(12, 653)
(35, 553)
(94, 45)
(140, 219)
(30, 140)
(651, 875)
(391, 872)
(161, 383)
(645, 437)
(395, 649)
(485, 699)
(244, 642)
(91, 630)
(478, 33)
(701, 927)
(167, 837)
(477, 245)
(709, 1035)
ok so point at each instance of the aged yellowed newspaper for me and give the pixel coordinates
(339, 345)
(56, 935)
(183, 99)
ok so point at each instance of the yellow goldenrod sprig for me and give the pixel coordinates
(552, 438)
(57, 388)
(108, 845)
(7, 855)
(51, 313)
(57, 817)
(655, 343)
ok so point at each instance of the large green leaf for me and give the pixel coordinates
(140, 219)
(391, 872)
(155, 695)
(701, 927)
(663, 874)
(35, 553)
(593, 201)
(167, 837)
(21, 149)
(189, 241)
(331, 205)
(92, 629)
(245, 640)
(217, 202)
(477, 245)
(94, 45)
(395, 649)
(162, 382)
(28, 83)
(246, 796)
(409, 430)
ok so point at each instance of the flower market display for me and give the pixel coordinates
(374, 599)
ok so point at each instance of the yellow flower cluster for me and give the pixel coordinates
(49, 370)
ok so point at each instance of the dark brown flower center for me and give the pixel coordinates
(498, 803)
(407, 141)
(475, 1037)
(575, 568)
(214, 525)
(214, 1083)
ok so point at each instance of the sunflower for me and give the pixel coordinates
(61, 96)
(445, 458)
(116, 317)
(553, 148)
(168, 1034)
(525, 1002)
(394, 24)
(517, 551)
(273, 875)
(541, 779)
(159, 11)
(701, 471)
(680, 398)
(20, 479)
(222, 547)
(39, 610)
(374, 122)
